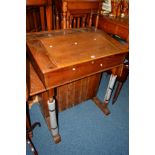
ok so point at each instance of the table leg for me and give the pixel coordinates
(104, 105)
(101, 106)
(109, 90)
(48, 108)
(53, 120)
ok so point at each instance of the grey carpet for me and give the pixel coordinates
(84, 129)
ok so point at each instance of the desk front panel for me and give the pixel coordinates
(76, 92)
(68, 74)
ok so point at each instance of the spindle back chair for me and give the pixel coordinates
(38, 15)
(77, 14)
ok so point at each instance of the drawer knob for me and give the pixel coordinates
(73, 69)
(101, 65)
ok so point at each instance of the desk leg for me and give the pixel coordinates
(53, 120)
(48, 109)
(104, 105)
(109, 90)
(101, 106)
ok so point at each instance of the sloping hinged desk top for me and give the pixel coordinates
(63, 56)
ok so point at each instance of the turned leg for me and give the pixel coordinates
(109, 88)
(104, 105)
(64, 14)
(116, 73)
(49, 112)
(109, 91)
(53, 120)
(49, 16)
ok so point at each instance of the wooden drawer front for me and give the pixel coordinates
(122, 32)
(75, 72)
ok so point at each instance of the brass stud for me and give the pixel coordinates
(92, 56)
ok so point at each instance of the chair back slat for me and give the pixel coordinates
(76, 14)
(38, 15)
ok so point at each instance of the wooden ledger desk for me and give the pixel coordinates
(60, 57)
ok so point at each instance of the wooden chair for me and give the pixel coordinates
(38, 15)
(121, 79)
(76, 14)
(30, 127)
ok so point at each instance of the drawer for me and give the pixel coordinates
(68, 74)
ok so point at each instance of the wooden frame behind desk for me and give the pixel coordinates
(116, 26)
